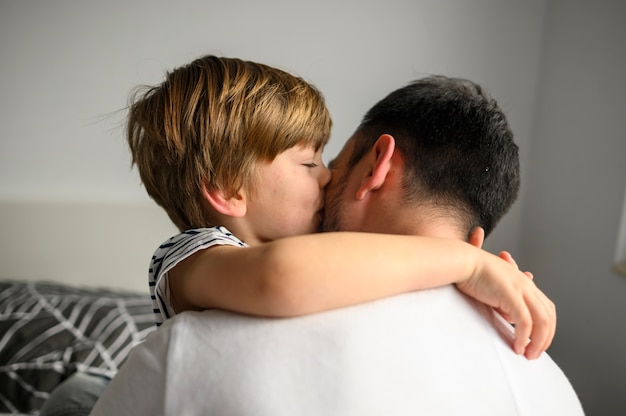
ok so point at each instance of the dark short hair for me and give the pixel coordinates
(457, 146)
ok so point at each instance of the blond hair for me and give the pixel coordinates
(209, 124)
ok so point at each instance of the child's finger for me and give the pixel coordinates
(504, 315)
(506, 256)
(544, 325)
(523, 328)
(551, 312)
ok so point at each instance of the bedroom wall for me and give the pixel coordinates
(575, 193)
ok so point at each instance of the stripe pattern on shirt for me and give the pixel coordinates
(175, 250)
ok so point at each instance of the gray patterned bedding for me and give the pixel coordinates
(49, 330)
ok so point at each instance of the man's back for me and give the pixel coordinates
(431, 352)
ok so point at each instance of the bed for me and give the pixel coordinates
(73, 292)
(50, 330)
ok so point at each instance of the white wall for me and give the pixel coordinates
(575, 194)
(93, 244)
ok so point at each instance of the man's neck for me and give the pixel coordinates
(429, 222)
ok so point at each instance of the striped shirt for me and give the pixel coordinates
(175, 250)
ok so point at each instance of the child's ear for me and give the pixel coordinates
(231, 204)
(379, 158)
(477, 237)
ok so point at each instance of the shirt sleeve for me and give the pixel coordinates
(175, 250)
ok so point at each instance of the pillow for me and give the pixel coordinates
(49, 330)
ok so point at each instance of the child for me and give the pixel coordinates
(232, 151)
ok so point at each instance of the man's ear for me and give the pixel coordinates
(233, 205)
(380, 158)
(477, 237)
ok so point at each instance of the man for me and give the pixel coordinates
(433, 158)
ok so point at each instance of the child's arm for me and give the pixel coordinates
(307, 274)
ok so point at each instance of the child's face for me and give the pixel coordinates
(289, 196)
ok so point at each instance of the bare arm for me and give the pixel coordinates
(307, 274)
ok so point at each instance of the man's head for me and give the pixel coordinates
(206, 127)
(447, 146)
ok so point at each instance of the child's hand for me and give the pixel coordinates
(505, 255)
(498, 282)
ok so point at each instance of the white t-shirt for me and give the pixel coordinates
(175, 250)
(431, 352)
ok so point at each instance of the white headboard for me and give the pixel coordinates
(85, 243)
